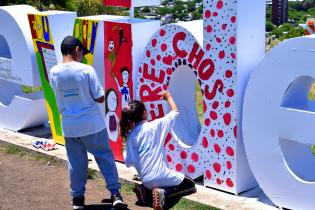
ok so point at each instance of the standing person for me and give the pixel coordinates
(145, 151)
(78, 92)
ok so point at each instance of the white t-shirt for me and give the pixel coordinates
(145, 151)
(76, 86)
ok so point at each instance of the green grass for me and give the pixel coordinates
(185, 204)
(199, 104)
(313, 149)
(15, 150)
(92, 174)
(127, 187)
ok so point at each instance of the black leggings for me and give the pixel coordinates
(187, 187)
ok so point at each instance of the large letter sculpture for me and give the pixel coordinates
(233, 44)
(278, 124)
(124, 42)
(21, 103)
(131, 3)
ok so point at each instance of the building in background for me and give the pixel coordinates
(279, 11)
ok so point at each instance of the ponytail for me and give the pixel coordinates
(130, 115)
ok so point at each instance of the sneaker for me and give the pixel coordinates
(158, 198)
(118, 202)
(78, 203)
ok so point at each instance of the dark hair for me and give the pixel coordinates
(130, 116)
(106, 96)
(68, 51)
(69, 44)
(125, 68)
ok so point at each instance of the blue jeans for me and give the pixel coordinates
(97, 144)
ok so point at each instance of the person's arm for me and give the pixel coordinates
(167, 96)
(100, 100)
(96, 88)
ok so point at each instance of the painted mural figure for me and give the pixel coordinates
(124, 89)
(145, 151)
(111, 118)
(111, 47)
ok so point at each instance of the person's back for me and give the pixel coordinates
(145, 144)
(78, 93)
(75, 89)
(145, 151)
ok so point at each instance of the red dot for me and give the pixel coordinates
(152, 62)
(219, 181)
(220, 134)
(164, 87)
(213, 115)
(224, 26)
(232, 40)
(140, 70)
(171, 147)
(208, 14)
(218, 40)
(209, 29)
(235, 131)
(212, 132)
(227, 104)
(229, 151)
(217, 148)
(208, 174)
(205, 142)
(228, 165)
(221, 54)
(152, 106)
(158, 57)
(233, 19)
(191, 168)
(169, 159)
(208, 47)
(217, 167)
(207, 122)
(169, 71)
(148, 54)
(141, 80)
(220, 4)
(164, 47)
(215, 14)
(154, 42)
(179, 167)
(215, 105)
(162, 32)
(227, 118)
(229, 182)
(228, 73)
(204, 106)
(233, 56)
(183, 155)
(195, 157)
(153, 84)
(230, 92)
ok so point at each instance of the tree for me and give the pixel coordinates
(294, 32)
(269, 26)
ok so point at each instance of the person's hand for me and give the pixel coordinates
(112, 74)
(166, 95)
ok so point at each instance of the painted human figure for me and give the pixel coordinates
(111, 118)
(124, 89)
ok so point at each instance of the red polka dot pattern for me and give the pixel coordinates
(213, 154)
